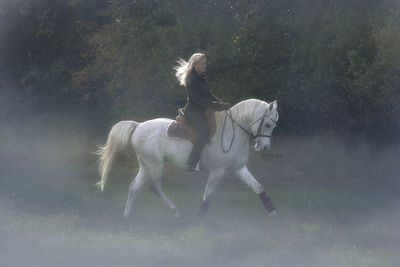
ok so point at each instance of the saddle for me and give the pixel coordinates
(181, 128)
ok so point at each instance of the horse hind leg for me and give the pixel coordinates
(155, 186)
(135, 187)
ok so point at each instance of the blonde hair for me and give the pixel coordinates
(185, 68)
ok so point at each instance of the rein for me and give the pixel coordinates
(233, 121)
(233, 130)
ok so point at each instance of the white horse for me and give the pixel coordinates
(227, 152)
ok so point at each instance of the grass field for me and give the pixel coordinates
(337, 205)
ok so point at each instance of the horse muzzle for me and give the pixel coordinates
(260, 147)
(264, 148)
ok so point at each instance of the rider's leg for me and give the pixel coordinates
(245, 176)
(199, 123)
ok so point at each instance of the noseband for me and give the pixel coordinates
(229, 114)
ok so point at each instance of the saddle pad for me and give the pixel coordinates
(175, 130)
(180, 128)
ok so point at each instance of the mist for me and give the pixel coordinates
(69, 70)
(336, 198)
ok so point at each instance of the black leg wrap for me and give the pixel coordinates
(203, 208)
(269, 206)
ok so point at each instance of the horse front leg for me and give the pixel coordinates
(214, 178)
(245, 176)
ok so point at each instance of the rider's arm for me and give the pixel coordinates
(203, 101)
(214, 98)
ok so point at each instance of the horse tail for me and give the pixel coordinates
(117, 141)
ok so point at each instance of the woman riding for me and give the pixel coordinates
(191, 74)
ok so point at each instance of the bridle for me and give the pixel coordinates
(258, 134)
(262, 118)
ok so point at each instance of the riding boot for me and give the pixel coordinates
(195, 155)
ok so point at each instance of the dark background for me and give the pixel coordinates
(332, 65)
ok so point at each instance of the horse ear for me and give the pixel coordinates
(273, 105)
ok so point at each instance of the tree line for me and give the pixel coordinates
(331, 64)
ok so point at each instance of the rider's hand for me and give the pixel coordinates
(226, 106)
(220, 106)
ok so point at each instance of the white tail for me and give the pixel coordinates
(118, 139)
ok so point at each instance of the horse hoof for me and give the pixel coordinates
(272, 213)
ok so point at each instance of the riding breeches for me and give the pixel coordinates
(198, 122)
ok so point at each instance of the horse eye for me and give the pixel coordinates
(267, 125)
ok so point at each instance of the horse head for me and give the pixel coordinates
(261, 128)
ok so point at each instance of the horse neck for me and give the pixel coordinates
(242, 113)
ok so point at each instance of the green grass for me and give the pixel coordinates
(314, 227)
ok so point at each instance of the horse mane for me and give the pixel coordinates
(245, 109)
(249, 108)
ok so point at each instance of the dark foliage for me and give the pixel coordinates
(330, 64)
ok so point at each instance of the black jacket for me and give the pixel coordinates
(199, 96)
